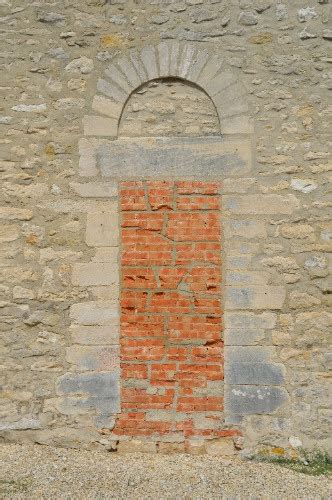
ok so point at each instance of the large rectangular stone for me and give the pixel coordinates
(93, 358)
(246, 278)
(245, 320)
(95, 189)
(100, 126)
(102, 385)
(102, 229)
(251, 399)
(87, 161)
(95, 335)
(95, 313)
(263, 204)
(245, 228)
(255, 297)
(13, 213)
(95, 273)
(255, 373)
(106, 106)
(248, 354)
(243, 337)
(168, 157)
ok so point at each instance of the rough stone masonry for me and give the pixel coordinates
(165, 226)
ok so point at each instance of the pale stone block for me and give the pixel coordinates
(230, 108)
(262, 204)
(135, 446)
(238, 185)
(247, 278)
(235, 262)
(9, 233)
(107, 254)
(87, 162)
(95, 273)
(255, 297)
(102, 229)
(174, 57)
(163, 58)
(245, 320)
(93, 358)
(100, 126)
(13, 213)
(95, 189)
(249, 354)
(117, 77)
(129, 71)
(101, 385)
(197, 65)
(212, 67)
(139, 67)
(186, 60)
(94, 335)
(149, 60)
(224, 87)
(109, 292)
(245, 228)
(95, 313)
(106, 107)
(244, 336)
(237, 125)
(111, 91)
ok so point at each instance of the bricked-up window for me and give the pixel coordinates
(169, 107)
(171, 312)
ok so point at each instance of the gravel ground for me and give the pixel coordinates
(42, 472)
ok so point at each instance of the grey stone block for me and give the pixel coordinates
(186, 60)
(243, 337)
(249, 320)
(255, 373)
(166, 157)
(163, 58)
(174, 57)
(111, 91)
(248, 354)
(129, 71)
(255, 297)
(139, 68)
(116, 76)
(149, 59)
(197, 65)
(97, 385)
(251, 400)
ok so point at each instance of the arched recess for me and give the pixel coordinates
(173, 59)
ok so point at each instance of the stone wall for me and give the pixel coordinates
(254, 71)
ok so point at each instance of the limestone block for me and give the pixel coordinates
(255, 297)
(111, 91)
(303, 300)
(238, 185)
(107, 254)
(93, 358)
(180, 156)
(95, 189)
(297, 231)
(235, 262)
(251, 400)
(230, 108)
(102, 229)
(139, 67)
(101, 385)
(106, 106)
(23, 293)
(136, 446)
(237, 125)
(163, 58)
(116, 76)
(255, 373)
(245, 228)
(210, 70)
(129, 71)
(197, 65)
(244, 320)
(100, 126)
(186, 60)
(95, 313)
(149, 60)
(95, 273)
(220, 447)
(12, 213)
(87, 162)
(94, 335)
(262, 204)
(246, 278)
(248, 354)
(174, 57)
(243, 337)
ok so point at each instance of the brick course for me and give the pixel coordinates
(171, 312)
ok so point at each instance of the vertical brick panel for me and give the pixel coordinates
(171, 311)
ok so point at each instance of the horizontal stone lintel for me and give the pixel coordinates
(168, 158)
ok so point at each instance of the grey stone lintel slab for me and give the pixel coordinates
(168, 157)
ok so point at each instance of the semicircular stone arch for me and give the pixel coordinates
(168, 60)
